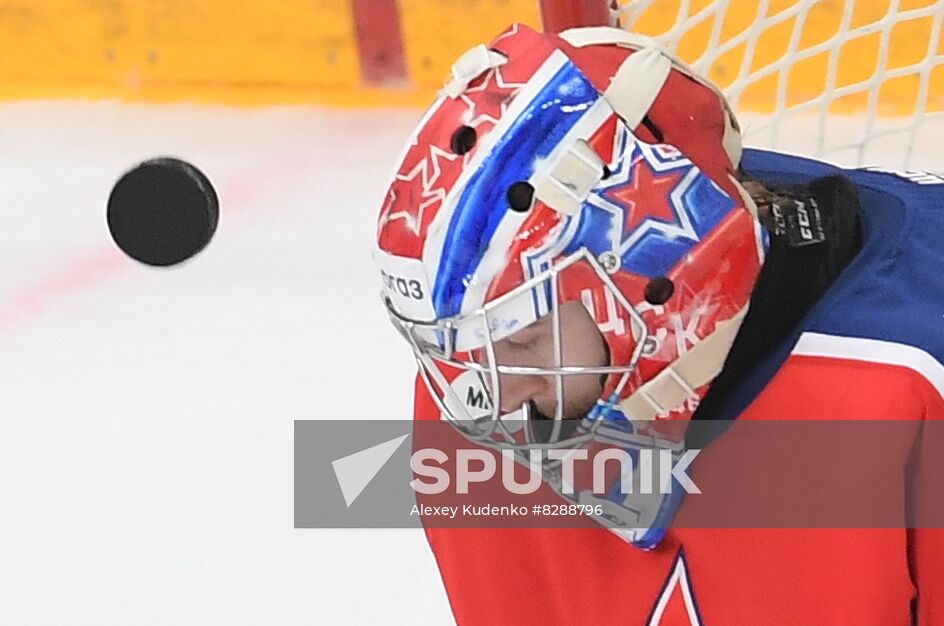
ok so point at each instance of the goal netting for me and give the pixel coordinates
(856, 82)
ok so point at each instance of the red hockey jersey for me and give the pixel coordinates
(871, 349)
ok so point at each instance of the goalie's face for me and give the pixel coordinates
(582, 345)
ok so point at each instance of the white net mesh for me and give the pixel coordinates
(854, 81)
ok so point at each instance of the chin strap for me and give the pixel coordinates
(671, 387)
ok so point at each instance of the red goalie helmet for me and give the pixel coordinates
(588, 167)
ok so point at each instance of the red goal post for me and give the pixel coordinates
(559, 15)
(854, 81)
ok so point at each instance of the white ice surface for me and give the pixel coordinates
(146, 416)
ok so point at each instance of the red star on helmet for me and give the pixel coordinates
(488, 97)
(647, 196)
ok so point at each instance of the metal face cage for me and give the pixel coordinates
(449, 345)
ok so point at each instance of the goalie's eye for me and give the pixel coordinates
(529, 335)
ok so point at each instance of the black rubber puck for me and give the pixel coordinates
(163, 212)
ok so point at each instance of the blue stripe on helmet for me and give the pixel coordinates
(532, 136)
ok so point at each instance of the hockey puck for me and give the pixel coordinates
(163, 212)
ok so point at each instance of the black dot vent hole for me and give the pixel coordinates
(463, 140)
(520, 196)
(659, 290)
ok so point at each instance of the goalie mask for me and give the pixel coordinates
(586, 168)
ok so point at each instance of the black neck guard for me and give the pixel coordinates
(798, 270)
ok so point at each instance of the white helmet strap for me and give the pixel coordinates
(637, 83)
(677, 383)
(470, 66)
